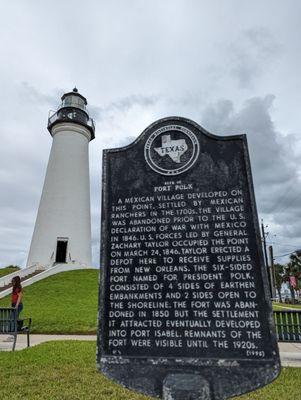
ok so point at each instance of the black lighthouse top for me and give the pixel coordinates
(73, 109)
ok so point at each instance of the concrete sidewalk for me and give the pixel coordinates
(38, 339)
(290, 353)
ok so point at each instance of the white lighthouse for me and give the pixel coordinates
(62, 233)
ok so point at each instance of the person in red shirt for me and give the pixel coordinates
(16, 297)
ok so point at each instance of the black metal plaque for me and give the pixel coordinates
(183, 286)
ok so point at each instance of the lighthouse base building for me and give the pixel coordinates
(62, 233)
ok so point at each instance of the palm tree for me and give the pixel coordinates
(293, 273)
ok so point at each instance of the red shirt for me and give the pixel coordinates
(15, 295)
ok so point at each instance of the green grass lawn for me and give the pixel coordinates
(8, 270)
(67, 303)
(63, 303)
(66, 370)
(276, 308)
(279, 306)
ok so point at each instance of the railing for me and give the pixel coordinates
(82, 118)
(6, 279)
(288, 325)
(10, 324)
(8, 320)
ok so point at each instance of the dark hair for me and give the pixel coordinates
(16, 282)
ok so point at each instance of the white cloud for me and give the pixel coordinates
(137, 63)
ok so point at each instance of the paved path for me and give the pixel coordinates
(37, 339)
(290, 353)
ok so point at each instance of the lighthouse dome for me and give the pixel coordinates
(72, 109)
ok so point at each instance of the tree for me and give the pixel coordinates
(293, 273)
(16, 267)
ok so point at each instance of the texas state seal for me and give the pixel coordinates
(171, 150)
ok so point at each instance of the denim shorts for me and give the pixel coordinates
(20, 307)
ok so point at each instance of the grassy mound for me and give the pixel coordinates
(62, 303)
(67, 370)
(8, 270)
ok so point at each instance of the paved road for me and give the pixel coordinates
(290, 353)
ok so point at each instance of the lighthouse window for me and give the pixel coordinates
(74, 101)
(80, 103)
(68, 101)
(61, 251)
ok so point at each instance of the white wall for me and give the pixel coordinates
(64, 209)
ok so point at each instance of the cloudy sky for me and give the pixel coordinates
(232, 66)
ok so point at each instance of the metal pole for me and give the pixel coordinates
(266, 257)
(272, 271)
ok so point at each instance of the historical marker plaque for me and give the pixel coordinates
(184, 290)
